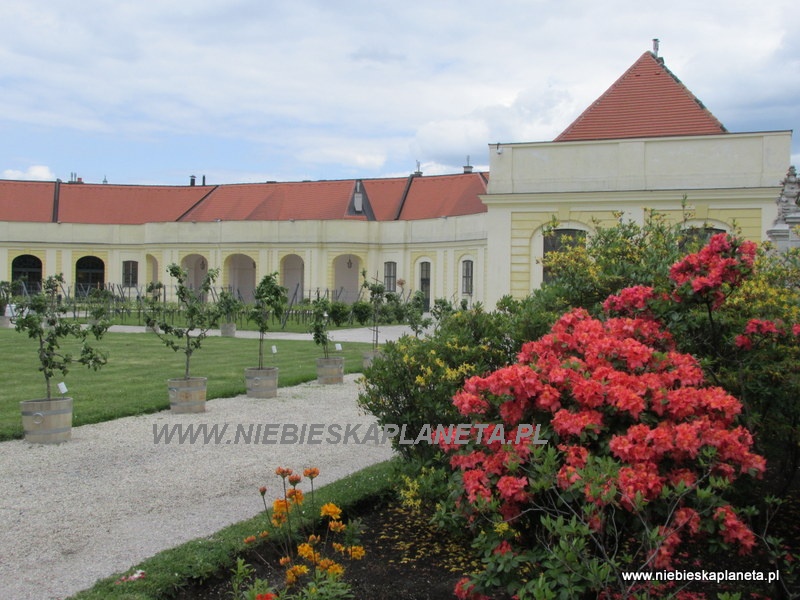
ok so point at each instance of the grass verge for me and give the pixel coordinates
(134, 381)
(168, 571)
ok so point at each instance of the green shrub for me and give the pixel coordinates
(413, 381)
(396, 307)
(339, 313)
(619, 256)
(362, 312)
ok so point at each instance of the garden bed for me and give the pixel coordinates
(406, 559)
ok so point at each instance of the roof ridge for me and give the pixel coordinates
(633, 106)
(196, 204)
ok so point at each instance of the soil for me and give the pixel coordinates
(407, 559)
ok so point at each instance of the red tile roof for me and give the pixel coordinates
(406, 198)
(275, 202)
(385, 196)
(30, 201)
(444, 196)
(126, 204)
(647, 101)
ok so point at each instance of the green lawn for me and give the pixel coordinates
(134, 380)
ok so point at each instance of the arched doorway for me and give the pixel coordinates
(196, 267)
(153, 274)
(292, 275)
(27, 269)
(345, 278)
(240, 272)
(90, 274)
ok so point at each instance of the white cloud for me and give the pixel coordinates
(32, 173)
(352, 85)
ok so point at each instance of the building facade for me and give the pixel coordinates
(646, 143)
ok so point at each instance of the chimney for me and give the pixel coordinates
(204, 179)
(467, 167)
(192, 180)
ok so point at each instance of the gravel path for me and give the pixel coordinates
(76, 512)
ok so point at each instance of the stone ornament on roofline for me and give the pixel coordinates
(790, 194)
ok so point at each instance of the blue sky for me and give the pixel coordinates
(152, 92)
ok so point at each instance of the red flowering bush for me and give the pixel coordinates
(738, 309)
(640, 452)
(720, 266)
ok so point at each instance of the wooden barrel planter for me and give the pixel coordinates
(330, 370)
(47, 421)
(227, 329)
(187, 395)
(261, 383)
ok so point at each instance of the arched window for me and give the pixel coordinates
(697, 236)
(90, 273)
(560, 239)
(27, 269)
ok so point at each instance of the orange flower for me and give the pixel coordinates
(283, 472)
(262, 490)
(294, 479)
(338, 547)
(294, 573)
(306, 551)
(280, 509)
(285, 560)
(263, 534)
(249, 539)
(295, 495)
(311, 472)
(314, 539)
(267, 596)
(335, 570)
(331, 567)
(337, 526)
(356, 552)
(331, 510)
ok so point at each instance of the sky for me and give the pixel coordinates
(151, 92)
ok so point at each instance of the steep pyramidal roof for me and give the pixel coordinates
(647, 101)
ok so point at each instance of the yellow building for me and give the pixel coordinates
(646, 143)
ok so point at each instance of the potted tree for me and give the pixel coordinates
(330, 369)
(229, 306)
(187, 394)
(43, 317)
(377, 295)
(270, 299)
